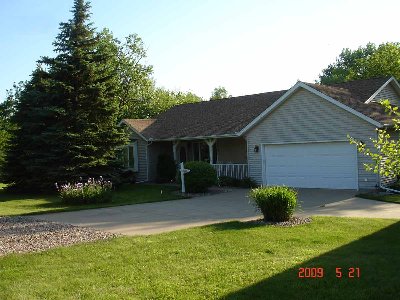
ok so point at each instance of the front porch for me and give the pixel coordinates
(228, 156)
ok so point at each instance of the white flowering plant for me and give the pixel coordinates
(86, 192)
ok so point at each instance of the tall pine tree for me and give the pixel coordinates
(81, 94)
(32, 159)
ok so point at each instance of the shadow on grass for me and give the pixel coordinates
(6, 195)
(377, 256)
(235, 225)
(22, 203)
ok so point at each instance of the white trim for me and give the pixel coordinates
(247, 156)
(132, 128)
(263, 162)
(298, 85)
(135, 146)
(391, 79)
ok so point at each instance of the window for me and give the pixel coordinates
(129, 156)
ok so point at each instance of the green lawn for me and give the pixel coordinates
(385, 198)
(224, 261)
(20, 204)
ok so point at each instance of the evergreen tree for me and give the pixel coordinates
(85, 74)
(7, 110)
(32, 160)
(74, 128)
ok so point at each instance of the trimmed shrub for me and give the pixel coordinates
(166, 168)
(90, 192)
(201, 176)
(276, 203)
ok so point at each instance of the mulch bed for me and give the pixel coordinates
(294, 221)
(211, 191)
(24, 234)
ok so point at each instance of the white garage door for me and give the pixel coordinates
(312, 165)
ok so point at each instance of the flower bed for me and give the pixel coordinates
(91, 191)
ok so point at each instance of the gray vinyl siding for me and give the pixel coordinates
(141, 175)
(232, 150)
(389, 93)
(306, 117)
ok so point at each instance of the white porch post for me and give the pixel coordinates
(210, 144)
(175, 145)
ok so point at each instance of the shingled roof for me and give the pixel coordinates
(139, 124)
(355, 93)
(210, 118)
(229, 116)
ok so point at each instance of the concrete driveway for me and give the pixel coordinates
(151, 218)
(343, 203)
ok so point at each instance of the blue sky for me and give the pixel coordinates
(248, 46)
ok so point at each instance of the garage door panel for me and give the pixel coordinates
(308, 173)
(301, 182)
(310, 162)
(313, 165)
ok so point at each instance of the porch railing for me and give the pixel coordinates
(238, 171)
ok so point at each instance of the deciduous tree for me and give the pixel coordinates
(363, 63)
(219, 93)
(385, 155)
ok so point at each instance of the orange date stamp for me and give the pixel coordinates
(319, 272)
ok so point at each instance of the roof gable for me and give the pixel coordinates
(391, 81)
(138, 125)
(311, 89)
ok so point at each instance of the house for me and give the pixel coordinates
(296, 137)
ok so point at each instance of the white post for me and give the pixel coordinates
(175, 145)
(183, 171)
(210, 144)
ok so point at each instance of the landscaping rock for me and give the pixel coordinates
(292, 222)
(24, 234)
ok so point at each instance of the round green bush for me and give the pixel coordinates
(276, 203)
(201, 176)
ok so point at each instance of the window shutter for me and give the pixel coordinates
(135, 157)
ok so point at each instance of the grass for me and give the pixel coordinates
(224, 261)
(22, 204)
(395, 198)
